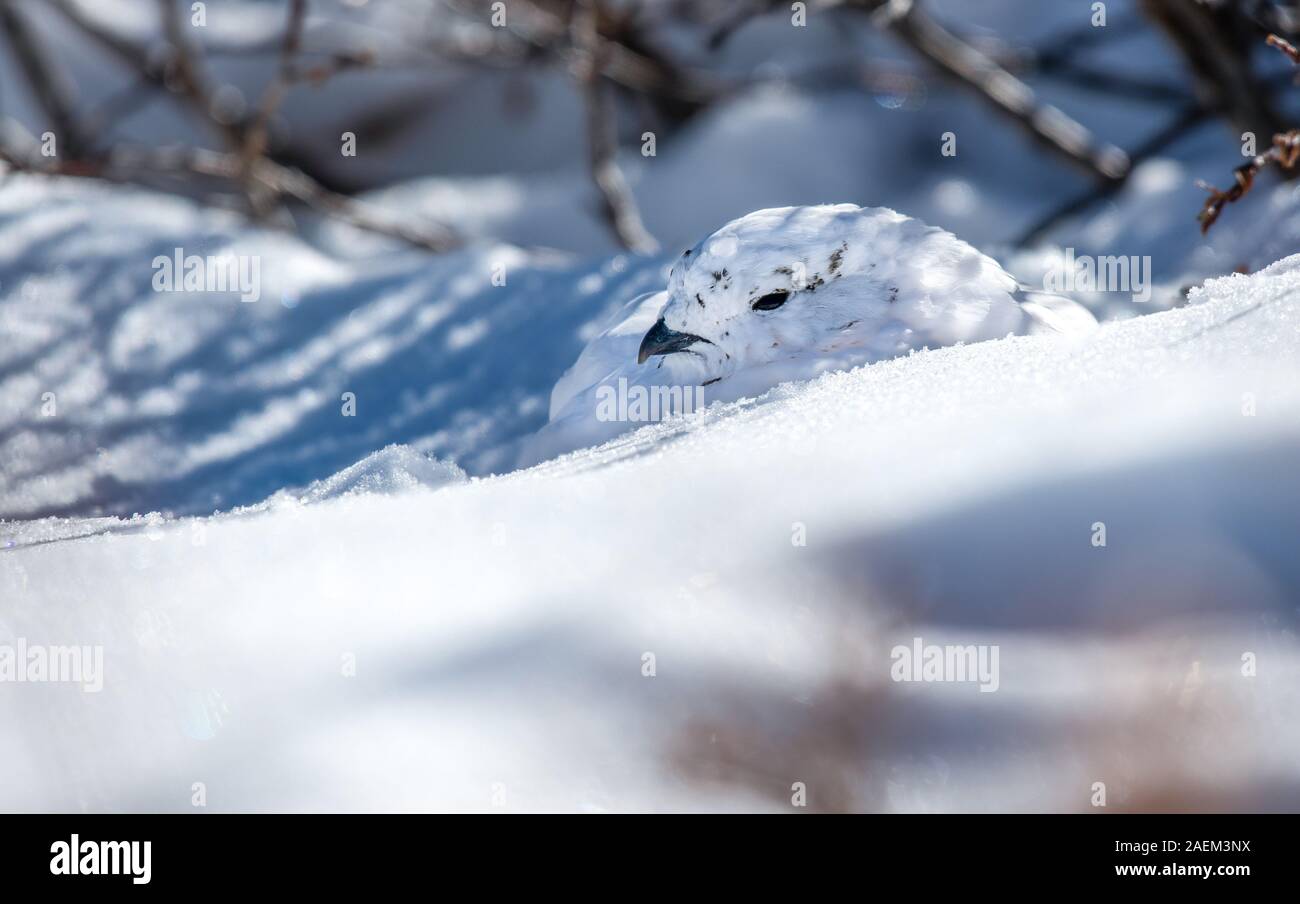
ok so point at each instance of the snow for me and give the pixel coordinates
(390, 471)
(189, 402)
(498, 626)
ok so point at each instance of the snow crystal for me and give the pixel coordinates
(392, 470)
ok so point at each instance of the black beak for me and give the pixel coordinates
(663, 341)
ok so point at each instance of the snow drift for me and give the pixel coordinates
(639, 626)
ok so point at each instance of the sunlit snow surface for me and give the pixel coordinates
(499, 626)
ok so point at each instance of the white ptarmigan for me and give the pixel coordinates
(787, 294)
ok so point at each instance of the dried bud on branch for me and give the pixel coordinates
(1285, 152)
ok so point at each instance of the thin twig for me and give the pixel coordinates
(1285, 46)
(1064, 47)
(136, 58)
(247, 163)
(290, 73)
(618, 203)
(1215, 45)
(637, 69)
(128, 165)
(1176, 128)
(185, 72)
(253, 145)
(1285, 152)
(968, 66)
(739, 15)
(49, 86)
(1105, 80)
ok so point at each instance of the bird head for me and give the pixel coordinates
(781, 283)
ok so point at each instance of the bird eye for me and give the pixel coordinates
(771, 301)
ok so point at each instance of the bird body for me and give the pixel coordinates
(790, 293)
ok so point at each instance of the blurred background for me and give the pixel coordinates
(533, 121)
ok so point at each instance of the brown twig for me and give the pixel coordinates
(1177, 127)
(290, 73)
(1285, 152)
(1285, 46)
(247, 163)
(126, 52)
(255, 134)
(968, 66)
(1050, 127)
(626, 62)
(129, 165)
(736, 18)
(1215, 42)
(618, 203)
(49, 86)
(184, 72)
(180, 76)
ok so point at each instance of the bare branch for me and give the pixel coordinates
(254, 140)
(247, 165)
(1285, 46)
(296, 184)
(619, 205)
(1285, 152)
(49, 86)
(291, 73)
(1177, 127)
(738, 16)
(125, 51)
(141, 165)
(968, 66)
(188, 78)
(185, 72)
(1215, 44)
(637, 68)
